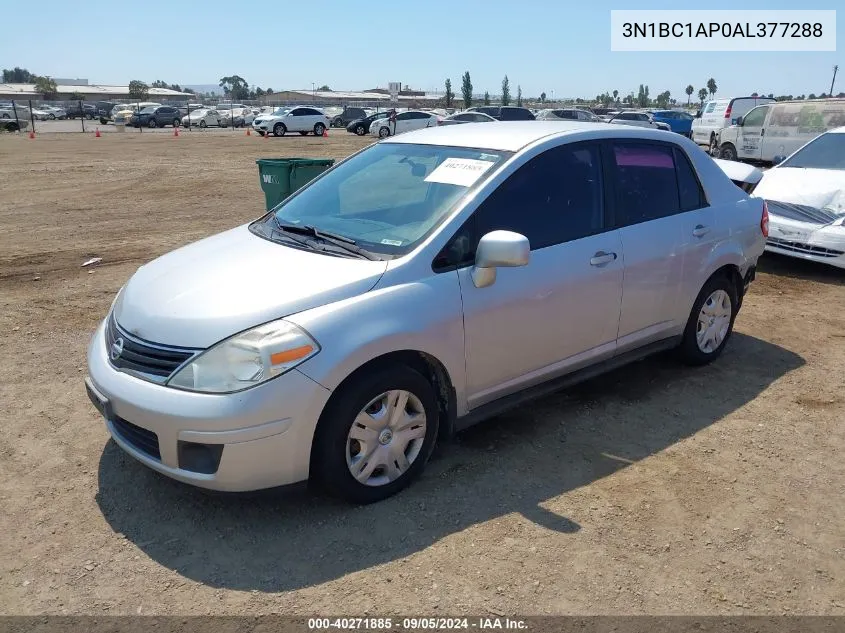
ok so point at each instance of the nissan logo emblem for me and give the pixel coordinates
(116, 349)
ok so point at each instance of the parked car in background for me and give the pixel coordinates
(11, 125)
(638, 118)
(505, 113)
(775, 130)
(53, 112)
(239, 117)
(42, 115)
(302, 119)
(678, 121)
(347, 116)
(806, 198)
(362, 126)
(104, 111)
(567, 114)
(202, 118)
(466, 293)
(467, 117)
(721, 113)
(405, 122)
(156, 116)
(87, 111)
(122, 113)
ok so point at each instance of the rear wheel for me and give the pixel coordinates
(319, 129)
(710, 322)
(376, 434)
(176, 122)
(714, 146)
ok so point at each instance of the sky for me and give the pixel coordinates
(560, 48)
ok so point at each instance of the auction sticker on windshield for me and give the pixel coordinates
(459, 171)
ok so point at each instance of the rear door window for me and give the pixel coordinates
(645, 182)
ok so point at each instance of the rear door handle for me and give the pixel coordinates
(700, 230)
(601, 258)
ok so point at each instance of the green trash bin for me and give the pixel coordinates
(280, 177)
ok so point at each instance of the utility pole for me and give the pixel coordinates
(835, 69)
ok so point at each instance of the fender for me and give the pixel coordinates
(423, 316)
(727, 252)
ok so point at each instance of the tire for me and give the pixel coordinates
(203, 124)
(383, 131)
(714, 146)
(260, 133)
(304, 133)
(176, 122)
(727, 152)
(153, 123)
(360, 131)
(279, 129)
(319, 129)
(718, 291)
(103, 121)
(51, 116)
(336, 454)
(90, 117)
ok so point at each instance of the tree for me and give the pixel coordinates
(466, 89)
(158, 83)
(46, 87)
(711, 86)
(138, 89)
(259, 92)
(506, 91)
(269, 91)
(642, 96)
(486, 98)
(449, 94)
(542, 97)
(702, 95)
(663, 99)
(235, 87)
(324, 88)
(812, 95)
(616, 95)
(519, 96)
(76, 96)
(689, 90)
(18, 75)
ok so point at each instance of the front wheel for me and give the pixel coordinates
(727, 152)
(203, 123)
(710, 322)
(279, 129)
(714, 146)
(376, 434)
(384, 132)
(153, 123)
(360, 131)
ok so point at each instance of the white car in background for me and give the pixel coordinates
(302, 119)
(53, 112)
(202, 118)
(639, 119)
(405, 122)
(123, 112)
(806, 199)
(241, 116)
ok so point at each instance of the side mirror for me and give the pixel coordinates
(698, 114)
(498, 249)
(777, 160)
(739, 120)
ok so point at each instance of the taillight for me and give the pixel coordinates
(728, 113)
(764, 220)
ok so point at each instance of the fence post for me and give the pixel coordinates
(15, 109)
(31, 116)
(82, 115)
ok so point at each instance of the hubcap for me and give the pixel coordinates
(713, 321)
(385, 438)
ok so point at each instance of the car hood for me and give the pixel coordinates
(202, 293)
(809, 195)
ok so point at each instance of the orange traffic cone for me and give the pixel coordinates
(175, 131)
(325, 133)
(248, 133)
(31, 134)
(97, 133)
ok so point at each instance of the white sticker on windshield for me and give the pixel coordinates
(459, 171)
(392, 242)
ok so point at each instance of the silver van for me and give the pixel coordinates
(721, 113)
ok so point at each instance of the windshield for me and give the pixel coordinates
(281, 111)
(148, 110)
(825, 152)
(390, 196)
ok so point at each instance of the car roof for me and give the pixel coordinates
(512, 136)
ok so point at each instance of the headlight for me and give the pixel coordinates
(247, 359)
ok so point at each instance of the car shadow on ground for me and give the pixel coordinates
(795, 268)
(513, 463)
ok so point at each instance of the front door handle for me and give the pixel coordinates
(601, 258)
(700, 230)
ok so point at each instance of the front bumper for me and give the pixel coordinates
(265, 432)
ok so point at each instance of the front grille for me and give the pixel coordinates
(142, 439)
(809, 249)
(131, 353)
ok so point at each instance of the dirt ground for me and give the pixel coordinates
(657, 489)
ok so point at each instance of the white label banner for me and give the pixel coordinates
(459, 171)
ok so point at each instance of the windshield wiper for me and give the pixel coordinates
(341, 241)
